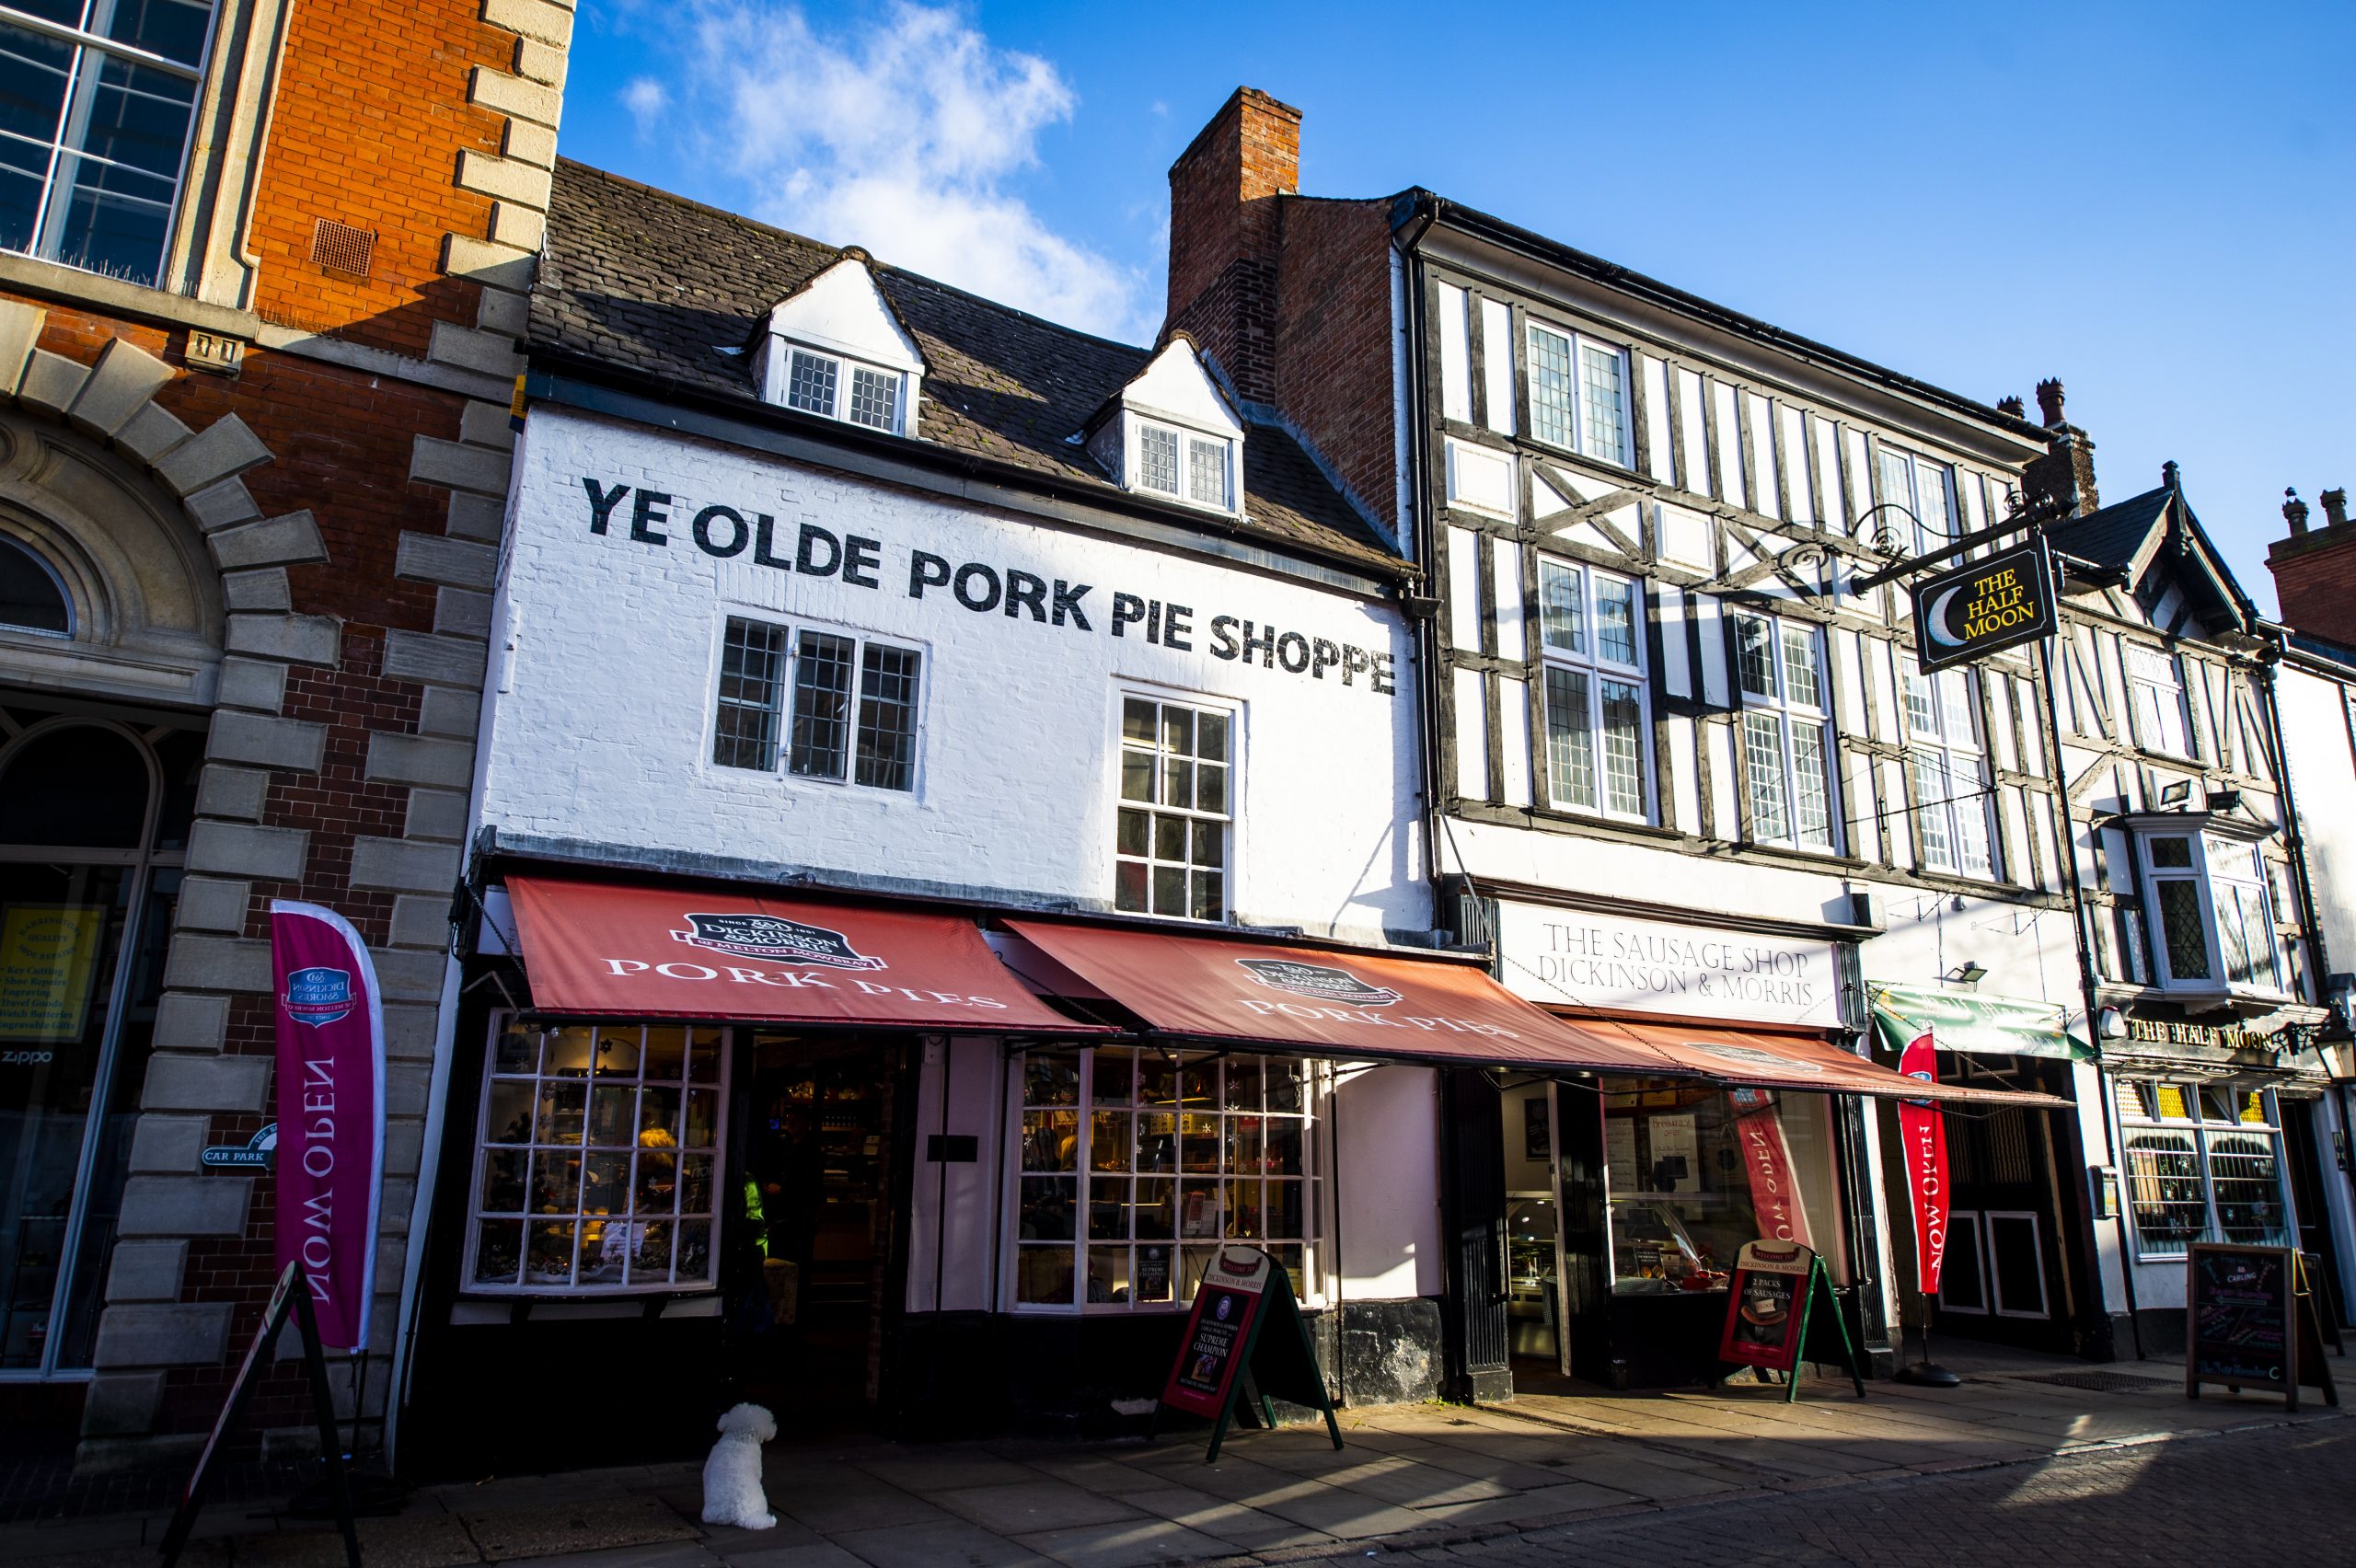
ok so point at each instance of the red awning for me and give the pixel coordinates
(1335, 1004)
(1758, 1059)
(615, 950)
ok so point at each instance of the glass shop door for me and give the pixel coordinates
(1537, 1342)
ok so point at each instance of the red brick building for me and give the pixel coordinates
(253, 459)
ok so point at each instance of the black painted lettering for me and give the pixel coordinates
(977, 598)
(1354, 661)
(1382, 683)
(1292, 652)
(1264, 645)
(1223, 637)
(601, 506)
(861, 558)
(737, 532)
(926, 570)
(1024, 592)
(1178, 627)
(765, 543)
(1127, 609)
(1067, 604)
(1323, 656)
(1153, 620)
(648, 511)
(806, 548)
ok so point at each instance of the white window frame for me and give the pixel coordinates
(687, 1084)
(1317, 1085)
(83, 71)
(1787, 715)
(2154, 695)
(1189, 463)
(1230, 820)
(1955, 752)
(2216, 872)
(1917, 468)
(781, 711)
(2205, 1133)
(1581, 442)
(838, 405)
(1587, 661)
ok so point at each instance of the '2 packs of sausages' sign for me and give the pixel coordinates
(1771, 1301)
(1224, 1356)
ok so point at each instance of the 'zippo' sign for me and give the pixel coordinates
(1984, 606)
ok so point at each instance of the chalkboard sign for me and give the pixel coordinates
(1228, 1355)
(2251, 1322)
(1771, 1301)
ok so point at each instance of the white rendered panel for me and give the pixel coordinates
(1659, 460)
(1684, 775)
(1787, 420)
(2000, 708)
(1685, 537)
(2025, 704)
(1513, 738)
(1709, 619)
(1852, 451)
(1725, 434)
(1725, 809)
(1694, 451)
(1455, 354)
(1471, 737)
(1845, 646)
(1497, 365)
(1505, 567)
(1827, 438)
(1480, 478)
(1676, 655)
(1386, 1183)
(1464, 589)
(1763, 454)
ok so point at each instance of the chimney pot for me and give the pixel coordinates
(2335, 506)
(2012, 406)
(2294, 511)
(2048, 400)
(2168, 476)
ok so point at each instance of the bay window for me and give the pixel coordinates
(1597, 703)
(2203, 1164)
(1134, 1164)
(1947, 766)
(2210, 909)
(1787, 732)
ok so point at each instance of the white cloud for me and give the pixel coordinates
(904, 133)
(646, 98)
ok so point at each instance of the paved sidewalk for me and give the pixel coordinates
(1411, 1475)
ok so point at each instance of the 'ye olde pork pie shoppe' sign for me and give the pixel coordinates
(658, 520)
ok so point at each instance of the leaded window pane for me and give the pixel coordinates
(1803, 680)
(1549, 387)
(752, 672)
(1570, 739)
(1158, 459)
(1931, 816)
(1624, 783)
(2182, 930)
(887, 716)
(822, 687)
(1931, 505)
(810, 383)
(1206, 472)
(1615, 621)
(1755, 657)
(1811, 797)
(1599, 393)
(1966, 794)
(1562, 614)
(1763, 747)
(874, 398)
(1921, 710)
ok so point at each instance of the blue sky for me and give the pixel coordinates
(2151, 201)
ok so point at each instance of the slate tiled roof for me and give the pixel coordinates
(656, 285)
(2112, 535)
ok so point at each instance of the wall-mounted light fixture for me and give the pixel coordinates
(1968, 973)
(2176, 794)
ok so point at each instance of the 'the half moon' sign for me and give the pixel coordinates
(1984, 606)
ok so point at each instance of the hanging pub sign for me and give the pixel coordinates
(1984, 606)
(1223, 1358)
(1771, 1303)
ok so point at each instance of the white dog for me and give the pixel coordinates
(732, 1476)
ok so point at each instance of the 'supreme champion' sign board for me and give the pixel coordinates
(1984, 606)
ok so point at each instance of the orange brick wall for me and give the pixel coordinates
(370, 118)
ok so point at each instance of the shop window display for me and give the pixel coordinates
(2203, 1164)
(1696, 1171)
(598, 1162)
(1135, 1164)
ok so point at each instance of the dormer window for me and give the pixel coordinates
(1171, 433)
(838, 350)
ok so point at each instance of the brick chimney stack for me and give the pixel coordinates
(1225, 235)
(2068, 465)
(2314, 568)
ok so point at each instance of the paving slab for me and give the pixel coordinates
(1127, 1545)
(937, 1544)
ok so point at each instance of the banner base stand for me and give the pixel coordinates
(1927, 1375)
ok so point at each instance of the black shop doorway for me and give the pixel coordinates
(816, 1231)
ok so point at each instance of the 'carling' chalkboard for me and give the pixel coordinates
(2252, 1323)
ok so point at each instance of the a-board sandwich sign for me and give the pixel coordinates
(1984, 606)
(2251, 1322)
(1244, 1343)
(1775, 1295)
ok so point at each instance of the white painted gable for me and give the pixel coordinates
(1176, 387)
(842, 311)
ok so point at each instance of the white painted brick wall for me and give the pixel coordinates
(607, 653)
